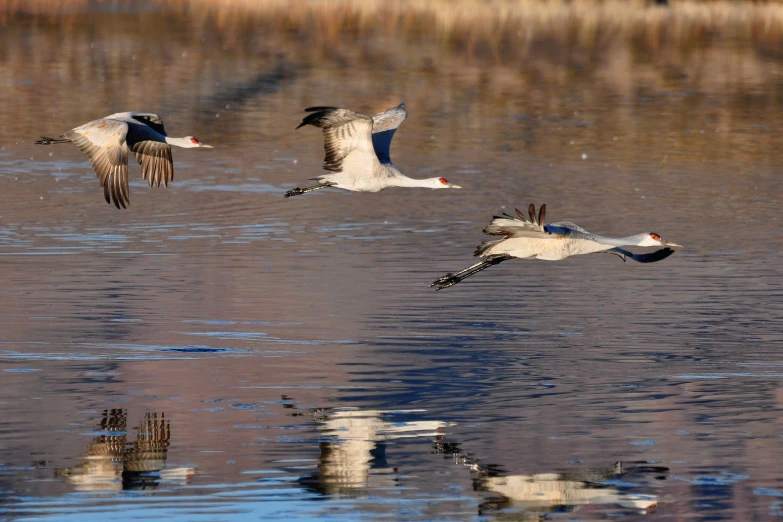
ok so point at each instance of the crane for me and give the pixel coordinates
(357, 151)
(106, 142)
(533, 239)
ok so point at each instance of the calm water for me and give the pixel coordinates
(217, 352)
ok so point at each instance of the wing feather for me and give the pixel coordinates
(157, 165)
(151, 120)
(319, 109)
(104, 143)
(384, 126)
(652, 257)
(510, 226)
(347, 139)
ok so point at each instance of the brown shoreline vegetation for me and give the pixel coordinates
(709, 64)
(492, 24)
(577, 34)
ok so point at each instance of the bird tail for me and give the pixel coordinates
(48, 141)
(486, 245)
(452, 279)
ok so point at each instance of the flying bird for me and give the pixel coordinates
(532, 239)
(357, 151)
(106, 142)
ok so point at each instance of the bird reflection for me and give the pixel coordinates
(532, 497)
(354, 455)
(353, 458)
(111, 463)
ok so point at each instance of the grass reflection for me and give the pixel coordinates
(695, 78)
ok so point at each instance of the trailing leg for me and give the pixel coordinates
(48, 141)
(618, 252)
(297, 191)
(452, 279)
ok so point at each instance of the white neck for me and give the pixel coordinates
(637, 240)
(181, 142)
(402, 180)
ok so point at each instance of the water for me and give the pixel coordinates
(218, 352)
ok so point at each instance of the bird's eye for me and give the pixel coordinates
(194, 141)
(443, 180)
(655, 236)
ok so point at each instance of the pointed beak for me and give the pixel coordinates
(205, 146)
(670, 244)
(452, 185)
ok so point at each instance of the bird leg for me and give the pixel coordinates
(48, 141)
(452, 279)
(298, 191)
(618, 252)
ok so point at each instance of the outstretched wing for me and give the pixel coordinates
(384, 125)
(347, 139)
(507, 226)
(154, 156)
(651, 257)
(524, 226)
(103, 141)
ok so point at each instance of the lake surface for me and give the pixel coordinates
(218, 352)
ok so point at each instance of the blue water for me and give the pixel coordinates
(218, 352)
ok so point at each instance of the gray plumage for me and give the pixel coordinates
(531, 238)
(107, 142)
(357, 151)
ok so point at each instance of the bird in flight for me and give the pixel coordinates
(357, 151)
(106, 142)
(531, 238)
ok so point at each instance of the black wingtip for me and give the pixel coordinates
(320, 108)
(531, 211)
(316, 116)
(653, 257)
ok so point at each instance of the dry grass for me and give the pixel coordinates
(717, 64)
(494, 27)
(499, 25)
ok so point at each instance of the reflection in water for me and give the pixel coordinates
(536, 495)
(617, 120)
(111, 463)
(354, 456)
